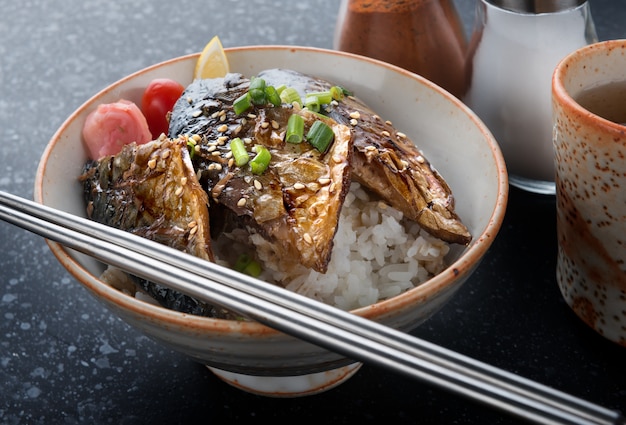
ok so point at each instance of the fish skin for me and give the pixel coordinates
(295, 204)
(388, 162)
(151, 190)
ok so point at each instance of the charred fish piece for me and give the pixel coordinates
(387, 162)
(296, 201)
(151, 190)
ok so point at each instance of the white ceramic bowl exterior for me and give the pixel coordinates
(451, 136)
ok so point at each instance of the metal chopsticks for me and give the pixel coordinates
(309, 320)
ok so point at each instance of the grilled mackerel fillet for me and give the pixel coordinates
(295, 203)
(151, 190)
(387, 162)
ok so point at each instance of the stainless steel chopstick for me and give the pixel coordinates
(307, 319)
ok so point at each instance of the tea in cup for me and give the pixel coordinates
(589, 135)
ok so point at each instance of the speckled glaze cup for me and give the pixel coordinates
(590, 160)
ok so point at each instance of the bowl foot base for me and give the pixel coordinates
(288, 386)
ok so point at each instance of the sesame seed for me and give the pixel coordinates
(178, 191)
(313, 186)
(388, 122)
(247, 140)
(216, 153)
(241, 202)
(231, 161)
(307, 238)
(189, 100)
(218, 167)
(166, 154)
(323, 181)
(237, 129)
(251, 116)
(196, 148)
(337, 159)
(221, 113)
(298, 186)
(192, 224)
(376, 117)
(228, 154)
(370, 148)
(152, 164)
(183, 181)
(275, 125)
(222, 118)
(265, 124)
(196, 138)
(197, 113)
(193, 231)
(211, 148)
(420, 159)
(215, 114)
(332, 187)
(401, 135)
(243, 121)
(222, 128)
(356, 115)
(353, 122)
(258, 185)
(221, 140)
(385, 133)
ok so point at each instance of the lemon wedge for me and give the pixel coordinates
(212, 62)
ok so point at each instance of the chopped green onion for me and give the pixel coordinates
(257, 83)
(320, 135)
(323, 97)
(191, 147)
(257, 91)
(242, 103)
(295, 129)
(280, 88)
(258, 97)
(246, 264)
(253, 269)
(290, 95)
(272, 96)
(312, 103)
(340, 92)
(239, 152)
(261, 161)
(337, 92)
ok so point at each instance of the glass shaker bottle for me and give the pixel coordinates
(422, 36)
(514, 49)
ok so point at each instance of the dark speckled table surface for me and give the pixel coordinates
(65, 359)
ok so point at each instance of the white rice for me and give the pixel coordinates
(376, 255)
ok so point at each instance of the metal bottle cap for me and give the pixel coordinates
(536, 6)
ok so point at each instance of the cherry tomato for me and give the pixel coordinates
(157, 101)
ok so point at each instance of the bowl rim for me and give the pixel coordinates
(460, 267)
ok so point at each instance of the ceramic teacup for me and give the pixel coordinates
(589, 113)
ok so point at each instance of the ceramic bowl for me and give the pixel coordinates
(252, 356)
